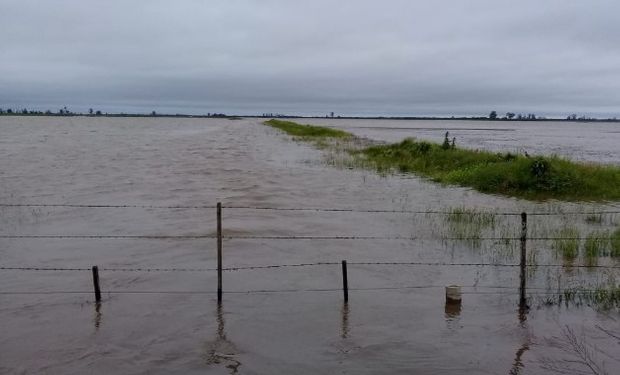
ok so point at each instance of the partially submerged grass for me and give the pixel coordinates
(614, 243)
(468, 224)
(604, 297)
(307, 132)
(470, 216)
(595, 246)
(536, 178)
(540, 177)
(566, 243)
(594, 219)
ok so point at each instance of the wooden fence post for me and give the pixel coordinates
(96, 283)
(345, 281)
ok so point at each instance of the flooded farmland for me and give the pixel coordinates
(136, 197)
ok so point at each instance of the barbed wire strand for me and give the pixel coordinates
(53, 205)
(283, 237)
(297, 265)
(438, 212)
(307, 209)
(538, 291)
(353, 210)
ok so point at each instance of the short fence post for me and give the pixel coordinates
(523, 276)
(219, 252)
(345, 282)
(96, 283)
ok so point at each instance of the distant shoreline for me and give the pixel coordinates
(237, 117)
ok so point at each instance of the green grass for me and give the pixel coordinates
(604, 297)
(307, 132)
(535, 178)
(566, 243)
(468, 224)
(614, 243)
(471, 216)
(594, 219)
(595, 246)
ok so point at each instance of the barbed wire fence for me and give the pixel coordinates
(523, 265)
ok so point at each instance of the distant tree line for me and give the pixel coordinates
(274, 115)
(493, 115)
(513, 116)
(64, 111)
(60, 112)
(533, 117)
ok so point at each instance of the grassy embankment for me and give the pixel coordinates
(537, 178)
(307, 132)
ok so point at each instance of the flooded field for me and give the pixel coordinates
(160, 314)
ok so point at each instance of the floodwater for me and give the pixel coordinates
(285, 319)
(596, 142)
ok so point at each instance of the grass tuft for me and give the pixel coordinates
(595, 246)
(614, 243)
(594, 219)
(602, 297)
(469, 224)
(566, 243)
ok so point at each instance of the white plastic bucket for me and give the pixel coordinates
(453, 293)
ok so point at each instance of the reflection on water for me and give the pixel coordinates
(452, 310)
(221, 333)
(523, 314)
(452, 313)
(221, 350)
(344, 329)
(97, 317)
(517, 365)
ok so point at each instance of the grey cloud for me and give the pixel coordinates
(351, 57)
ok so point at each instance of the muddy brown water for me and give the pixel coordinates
(273, 320)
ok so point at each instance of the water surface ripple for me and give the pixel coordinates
(396, 320)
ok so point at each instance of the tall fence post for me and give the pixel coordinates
(345, 281)
(96, 283)
(523, 276)
(219, 252)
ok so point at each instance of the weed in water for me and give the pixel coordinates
(470, 216)
(468, 224)
(595, 246)
(594, 219)
(614, 243)
(566, 243)
(604, 297)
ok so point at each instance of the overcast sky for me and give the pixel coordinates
(389, 57)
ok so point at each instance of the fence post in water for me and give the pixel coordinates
(219, 252)
(523, 276)
(345, 281)
(96, 283)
